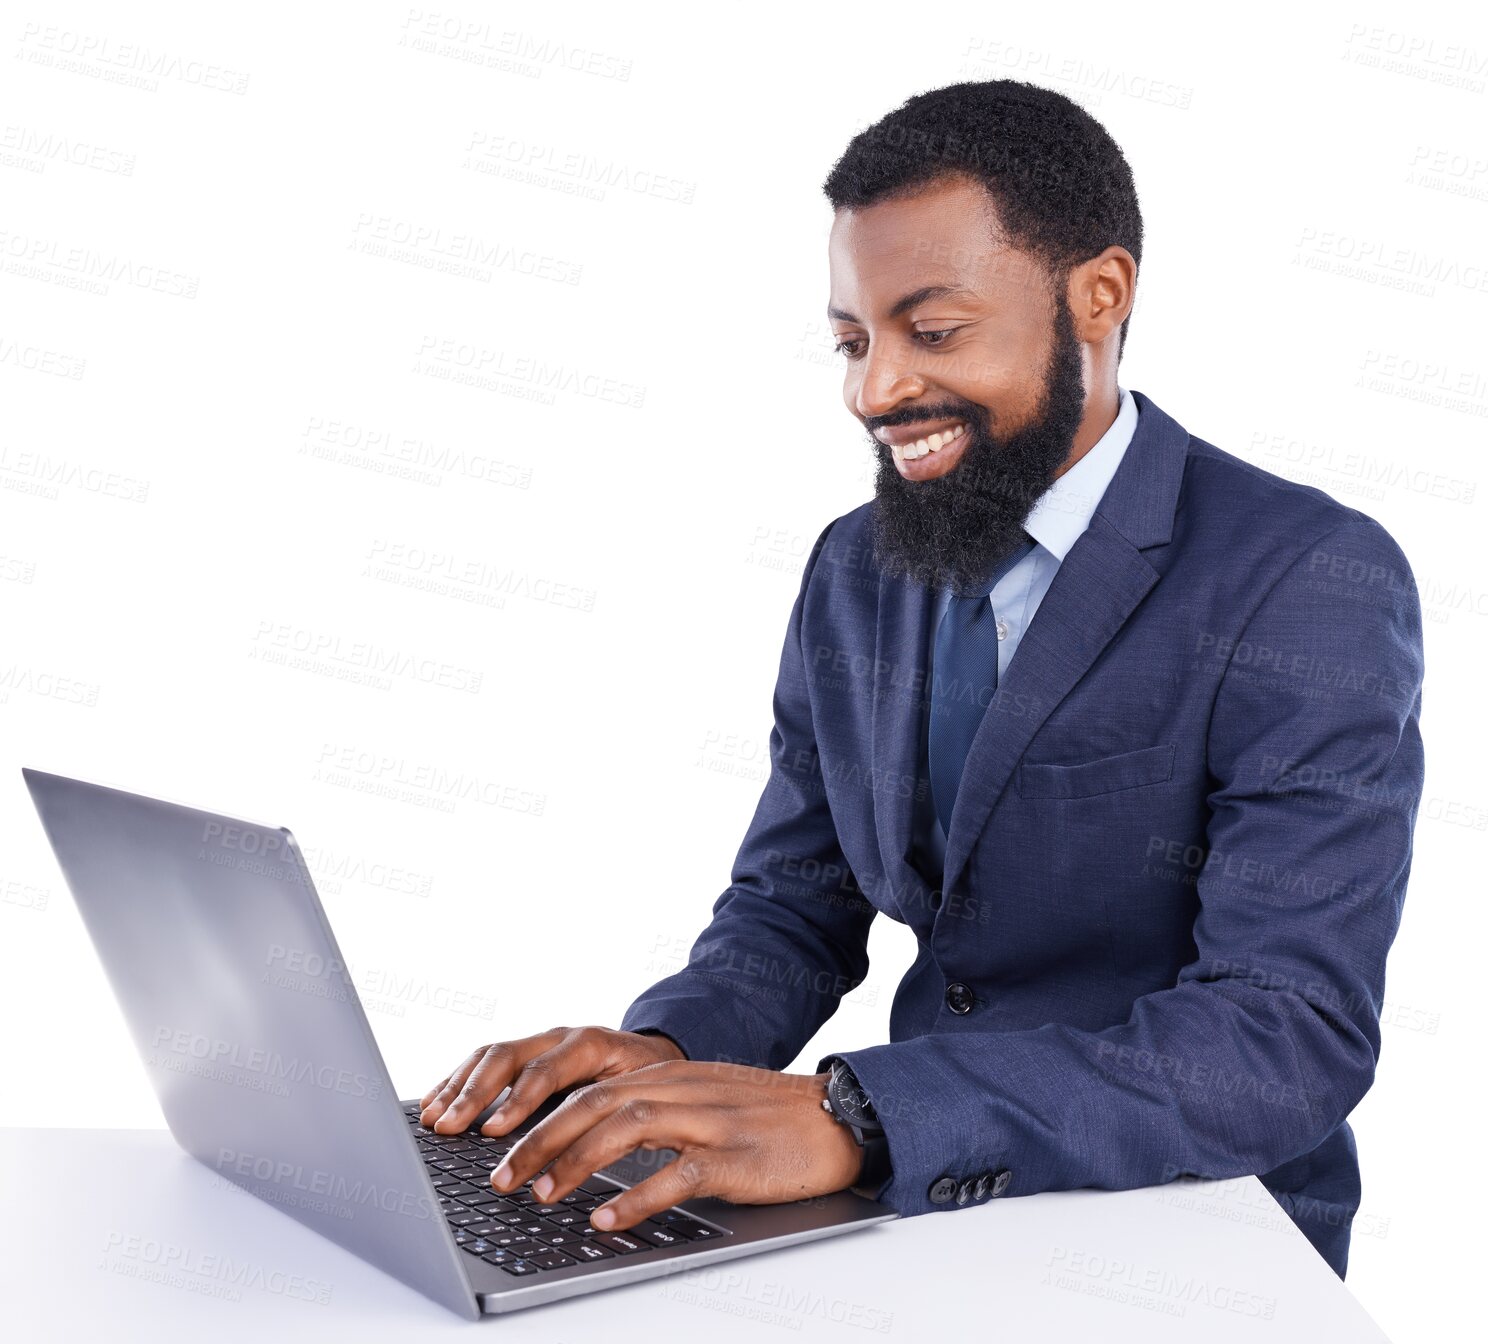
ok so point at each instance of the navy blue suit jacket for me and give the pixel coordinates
(1176, 862)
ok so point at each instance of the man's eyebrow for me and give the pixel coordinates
(911, 300)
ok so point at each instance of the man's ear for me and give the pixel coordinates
(1100, 294)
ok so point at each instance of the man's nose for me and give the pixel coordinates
(885, 381)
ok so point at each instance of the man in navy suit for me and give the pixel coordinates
(1123, 728)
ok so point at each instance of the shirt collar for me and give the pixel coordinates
(1065, 509)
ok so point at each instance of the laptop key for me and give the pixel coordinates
(622, 1243)
(511, 1237)
(657, 1236)
(692, 1229)
(597, 1185)
(588, 1250)
(519, 1268)
(551, 1260)
(486, 1229)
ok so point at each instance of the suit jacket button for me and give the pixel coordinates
(1000, 1179)
(958, 997)
(943, 1190)
(963, 1191)
(983, 1185)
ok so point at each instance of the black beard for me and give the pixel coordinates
(952, 532)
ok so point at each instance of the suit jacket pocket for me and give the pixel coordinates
(1127, 770)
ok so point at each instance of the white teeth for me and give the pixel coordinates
(911, 452)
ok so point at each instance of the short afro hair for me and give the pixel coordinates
(1060, 184)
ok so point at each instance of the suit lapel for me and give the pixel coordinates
(1102, 579)
(899, 689)
(1099, 584)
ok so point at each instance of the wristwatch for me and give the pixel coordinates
(848, 1104)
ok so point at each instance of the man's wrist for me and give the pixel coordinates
(657, 1031)
(851, 1148)
(874, 1170)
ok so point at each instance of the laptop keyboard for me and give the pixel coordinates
(520, 1233)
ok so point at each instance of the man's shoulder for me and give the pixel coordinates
(1224, 494)
(846, 543)
(851, 527)
(841, 573)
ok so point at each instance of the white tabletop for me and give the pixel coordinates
(117, 1234)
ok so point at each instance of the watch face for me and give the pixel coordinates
(850, 1101)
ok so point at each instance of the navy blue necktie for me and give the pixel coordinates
(963, 681)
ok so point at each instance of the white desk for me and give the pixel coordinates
(88, 1213)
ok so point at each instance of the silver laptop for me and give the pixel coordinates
(228, 974)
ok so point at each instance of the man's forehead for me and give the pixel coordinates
(946, 235)
(921, 238)
(882, 280)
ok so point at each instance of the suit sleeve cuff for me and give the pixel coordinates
(657, 1031)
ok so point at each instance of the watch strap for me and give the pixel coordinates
(876, 1172)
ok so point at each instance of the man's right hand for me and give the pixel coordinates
(536, 1067)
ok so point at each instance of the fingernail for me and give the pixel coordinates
(501, 1177)
(604, 1217)
(543, 1187)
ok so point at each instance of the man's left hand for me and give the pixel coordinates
(750, 1136)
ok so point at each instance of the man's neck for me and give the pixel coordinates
(1100, 414)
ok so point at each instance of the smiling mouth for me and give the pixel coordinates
(931, 443)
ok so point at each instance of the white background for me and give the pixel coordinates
(228, 322)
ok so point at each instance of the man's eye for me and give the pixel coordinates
(850, 346)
